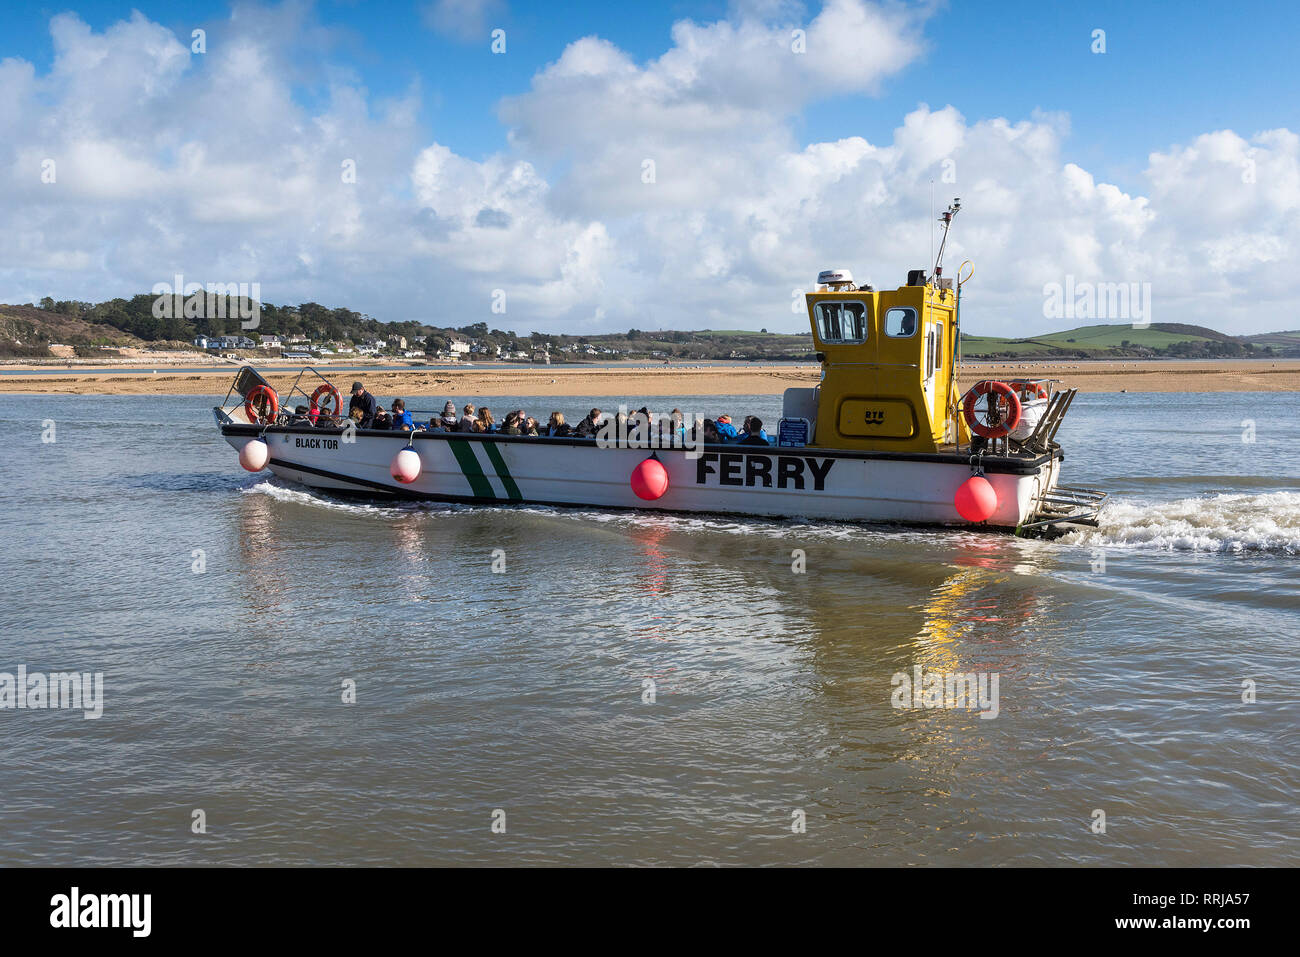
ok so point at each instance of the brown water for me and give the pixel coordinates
(1119, 688)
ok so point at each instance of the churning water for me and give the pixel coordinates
(1122, 656)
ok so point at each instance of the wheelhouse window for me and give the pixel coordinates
(900, 322)
(841, 322)
(933, 349)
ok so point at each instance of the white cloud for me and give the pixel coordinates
(209, 165)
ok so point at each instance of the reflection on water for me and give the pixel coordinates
(641, 689)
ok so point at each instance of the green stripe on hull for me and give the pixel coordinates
(468, 462)
(503, 473)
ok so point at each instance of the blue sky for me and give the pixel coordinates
(1170, 70)
(1046, 125)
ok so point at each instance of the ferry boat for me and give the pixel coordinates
(885, 437)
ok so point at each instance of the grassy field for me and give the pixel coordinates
(1096, 340)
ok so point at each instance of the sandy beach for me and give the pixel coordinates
(1281, 375)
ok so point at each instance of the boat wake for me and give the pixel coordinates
(1264, 523)
(317, 499)
(1249, 523)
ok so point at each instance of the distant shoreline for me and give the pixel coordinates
(1159, 375)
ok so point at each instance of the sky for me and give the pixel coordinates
(593, 167)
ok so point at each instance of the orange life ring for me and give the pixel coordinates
(1029, 388)
(1008, 419)
(266, 393)
(316, 409)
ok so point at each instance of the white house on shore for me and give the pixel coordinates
(224, 342)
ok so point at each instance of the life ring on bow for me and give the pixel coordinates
(264, 396)
(317, 409)
(1029, 389)
(1002, 414)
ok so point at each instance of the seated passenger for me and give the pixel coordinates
(485, 422)
(381, 420)
(711, 432)
(639, 423)
(726, 429)
(467, 420)
(447, 421)
(401, 418)
(511, 424)
(300, 416)
(754, 434)
(530, 426)
(677, 423)
(589, 426)
(556, 425)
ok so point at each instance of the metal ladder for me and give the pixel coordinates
(1043, 439)
(1063, 504)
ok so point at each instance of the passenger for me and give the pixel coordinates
(726, 429)
(448, 419)
(382, 419)
(556, 425)
(711, 435)
(589, 426)
(401, 418)
(467, 420)
(621, 422)
(301, 416)
(640, 422)
(754, 433)
(511, 424)
(485, 422)
(530, 427)
(363, 400)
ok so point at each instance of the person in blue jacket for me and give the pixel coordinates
(401, 418)
(726, 429)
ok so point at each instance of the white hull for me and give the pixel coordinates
(731, 479)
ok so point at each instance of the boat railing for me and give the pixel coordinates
(297, 390)
(245, 380)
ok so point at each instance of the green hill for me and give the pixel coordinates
(1278, 340)
(26, 331)
(1160, 338)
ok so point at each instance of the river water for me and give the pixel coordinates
(640, 689)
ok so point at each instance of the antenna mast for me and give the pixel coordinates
(953, 209)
